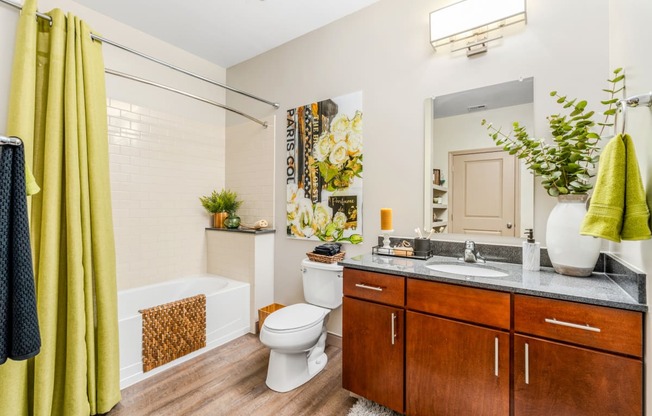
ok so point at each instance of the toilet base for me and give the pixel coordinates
(287, 371)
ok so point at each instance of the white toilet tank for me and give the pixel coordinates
(322, 283)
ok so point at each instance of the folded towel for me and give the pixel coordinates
(618, 196)
(19, 332)
(327, 249)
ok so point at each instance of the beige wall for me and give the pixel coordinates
(383, 51)
(629, 31)
(250, 169)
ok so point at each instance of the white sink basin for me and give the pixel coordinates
(467, 270)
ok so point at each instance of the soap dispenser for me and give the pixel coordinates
(531, 252)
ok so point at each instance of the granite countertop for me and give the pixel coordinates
(597, 289)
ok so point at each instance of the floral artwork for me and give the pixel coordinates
(324, 170)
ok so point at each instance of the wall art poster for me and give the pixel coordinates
(324, 170)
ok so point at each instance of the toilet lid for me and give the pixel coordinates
(295, 317)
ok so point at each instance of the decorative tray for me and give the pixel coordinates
(402, 252)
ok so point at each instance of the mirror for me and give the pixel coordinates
(471, 186)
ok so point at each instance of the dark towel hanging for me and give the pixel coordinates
(19, 332)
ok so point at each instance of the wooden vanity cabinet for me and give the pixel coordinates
(437, 349)
(457, 361)
(566, 374)
(373, 337)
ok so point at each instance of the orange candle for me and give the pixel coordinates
(386, 219)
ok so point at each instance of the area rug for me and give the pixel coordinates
(364, 407)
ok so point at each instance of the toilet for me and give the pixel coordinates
(296, 334)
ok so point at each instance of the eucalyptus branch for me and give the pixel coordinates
(566, 164)
(612, 101)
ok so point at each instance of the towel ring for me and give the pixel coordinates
(634, 101)
(622, 106)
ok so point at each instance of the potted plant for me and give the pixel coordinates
(230, 204)
(213, 204)
(566, 166)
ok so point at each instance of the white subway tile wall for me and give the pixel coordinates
(160, 165)
(250, 169)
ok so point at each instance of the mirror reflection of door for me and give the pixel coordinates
(453, 124)
(485, 200)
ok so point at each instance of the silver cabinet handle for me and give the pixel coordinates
(586, 327)
(393, 328)
(527, 364)
(364, 286)
(509, 225)
(496, 357)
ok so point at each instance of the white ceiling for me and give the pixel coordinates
(226, 32)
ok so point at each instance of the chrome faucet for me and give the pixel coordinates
(471, 254)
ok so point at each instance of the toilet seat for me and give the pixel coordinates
(295, 318)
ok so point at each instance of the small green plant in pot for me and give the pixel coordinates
(213, 205)
(222, 205)
(566, 165)
(230, 204)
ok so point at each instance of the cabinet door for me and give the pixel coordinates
(372, 351)
(454, 368)
(558, 379)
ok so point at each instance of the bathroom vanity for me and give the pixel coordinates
(426, 342)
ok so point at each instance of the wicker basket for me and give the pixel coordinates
(265, 311)
(320, 258)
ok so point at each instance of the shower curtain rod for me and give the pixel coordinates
(158, 61)
(11, 141)
(196, 97)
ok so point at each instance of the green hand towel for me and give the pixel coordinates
(637, 213)
(618, 206)
(605, 216)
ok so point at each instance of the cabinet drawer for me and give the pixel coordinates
(594, 326)
(378, 287)
(480, 306)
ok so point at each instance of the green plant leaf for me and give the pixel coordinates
(617, 79)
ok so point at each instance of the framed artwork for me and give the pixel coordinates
(324, 170)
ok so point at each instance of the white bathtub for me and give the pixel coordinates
(227, 317)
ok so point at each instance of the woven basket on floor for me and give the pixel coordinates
(265, 311)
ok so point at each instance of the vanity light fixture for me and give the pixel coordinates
(471, 24)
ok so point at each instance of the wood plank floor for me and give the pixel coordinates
(230, 380)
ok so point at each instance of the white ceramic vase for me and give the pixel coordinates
(570, 253)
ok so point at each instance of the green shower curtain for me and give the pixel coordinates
(58, 108)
